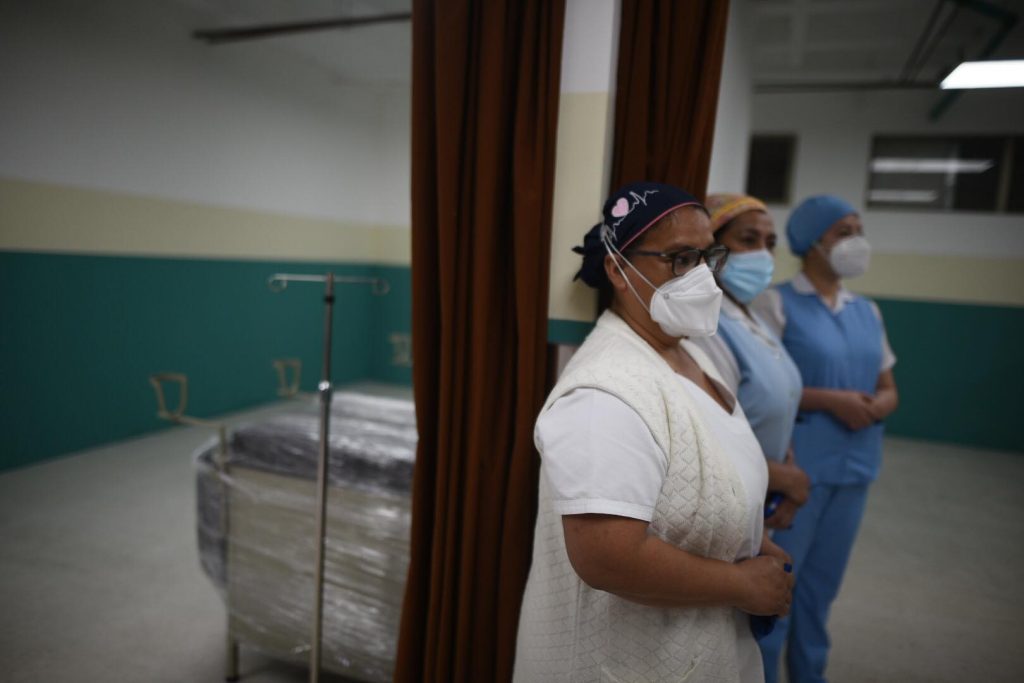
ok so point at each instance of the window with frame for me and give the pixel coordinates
(947, 173)
(770, 167)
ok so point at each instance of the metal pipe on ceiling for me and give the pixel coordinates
(922, 40)
(1008, 20)
(219, 36)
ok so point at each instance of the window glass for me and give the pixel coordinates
(770, 167)
(940, 173)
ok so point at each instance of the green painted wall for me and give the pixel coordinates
(571, 332)
(79, 335)
(956, 369)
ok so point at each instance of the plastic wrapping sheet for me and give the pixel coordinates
(256, 530)
(396, 410)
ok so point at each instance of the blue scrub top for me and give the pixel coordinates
(834, 351)
(769, 388)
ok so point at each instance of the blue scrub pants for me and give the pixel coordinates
(820, 542)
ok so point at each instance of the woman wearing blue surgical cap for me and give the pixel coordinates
(649, 554)
(750, 357)
(838, 342)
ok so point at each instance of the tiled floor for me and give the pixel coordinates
(99, 578)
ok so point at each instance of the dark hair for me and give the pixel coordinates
(724, 228)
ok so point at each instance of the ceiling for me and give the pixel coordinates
(807, 44)
(378, 54)
(795, 44)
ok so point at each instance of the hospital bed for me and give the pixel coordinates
(255, 522)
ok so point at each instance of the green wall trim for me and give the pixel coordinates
(571, 332)
(956, 367)
(79, 335)
(956, 370)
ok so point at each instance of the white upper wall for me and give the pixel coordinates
(589, 46)
(731, 144)
(115, 95)
(834, 132)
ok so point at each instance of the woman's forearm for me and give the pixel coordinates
(790, 480)
(814, 398)
(779, 478)
(649, 570)
(618, 555)
(886, 397)
(886, 402)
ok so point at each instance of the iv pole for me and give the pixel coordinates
(277, 283)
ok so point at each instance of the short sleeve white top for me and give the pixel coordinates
(599, 456)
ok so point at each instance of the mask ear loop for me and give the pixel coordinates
(827, 255)
(613, 251)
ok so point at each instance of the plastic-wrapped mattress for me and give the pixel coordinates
(256, 529)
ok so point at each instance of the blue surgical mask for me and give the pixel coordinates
(746, 274)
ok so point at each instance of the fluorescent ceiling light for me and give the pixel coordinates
(1005, 73)
(924, 165)
(904, 196)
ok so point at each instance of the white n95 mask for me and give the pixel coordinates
(686, 306)
(850, 256)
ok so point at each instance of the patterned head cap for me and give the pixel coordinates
(628, 213)
(725, 207)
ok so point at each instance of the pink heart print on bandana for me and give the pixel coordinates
(621, 208)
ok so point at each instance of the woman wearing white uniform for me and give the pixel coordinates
(646, 561)
(750, 357)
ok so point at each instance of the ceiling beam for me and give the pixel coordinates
(926, 39)
(828, 75)
(836, 7)
(839, 86)
(833, 46)
(1007, 20)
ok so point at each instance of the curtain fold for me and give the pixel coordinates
(670, 64)
(484, 119)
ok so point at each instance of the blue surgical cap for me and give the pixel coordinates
(813, 218)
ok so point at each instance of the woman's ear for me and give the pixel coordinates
(614, 274)
(817, 258)
(813, 253)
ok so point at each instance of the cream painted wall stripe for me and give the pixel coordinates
(579, 193)
(583, 151)
(44, 217)
(951, 279)
(583, 119)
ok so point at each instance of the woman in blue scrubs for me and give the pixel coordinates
(749, 356)
(838, 342)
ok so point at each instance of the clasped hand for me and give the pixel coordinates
(769, 587)
(855, 409)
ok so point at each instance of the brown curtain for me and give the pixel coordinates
(670, 62)
(484, 110)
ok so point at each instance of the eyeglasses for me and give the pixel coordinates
(684, 260)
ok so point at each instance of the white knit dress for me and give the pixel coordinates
(571, 632)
